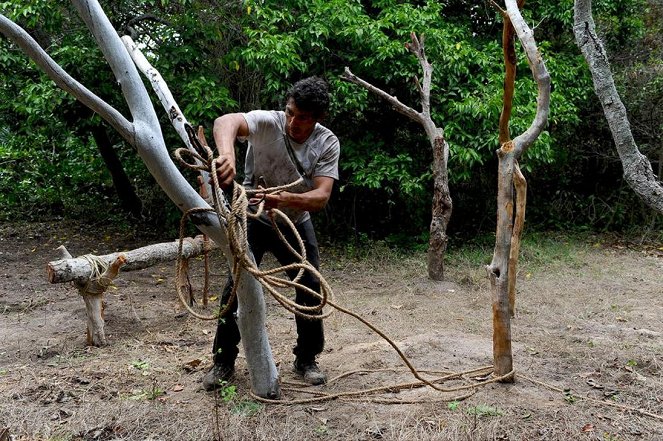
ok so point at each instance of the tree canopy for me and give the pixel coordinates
(227, 56)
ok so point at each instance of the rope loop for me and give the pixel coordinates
(233, 217)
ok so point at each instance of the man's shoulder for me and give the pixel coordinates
(265, 115)
(259, 120)
(325, 136)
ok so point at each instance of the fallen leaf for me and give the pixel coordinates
(588, 428)
(396, 306)
(192, 365)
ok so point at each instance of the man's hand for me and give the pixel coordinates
(271, 200)
(225, 170)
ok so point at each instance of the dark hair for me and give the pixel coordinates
(310, 95)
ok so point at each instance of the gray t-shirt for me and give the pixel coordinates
(268, 162)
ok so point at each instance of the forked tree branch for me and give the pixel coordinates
(541, 76)
(118, 59)
(424, 117)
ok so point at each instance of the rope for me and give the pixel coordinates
(233, 218)
(98, 267)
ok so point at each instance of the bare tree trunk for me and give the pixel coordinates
(511, 186)
(442, 204)
(499, 267)
(441, 211)
(637, 168)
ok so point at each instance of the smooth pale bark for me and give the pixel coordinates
(144, 133)
(442, 205)
(79, 270)
(502, 269)
(637, 168)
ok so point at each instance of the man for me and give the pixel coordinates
(283, 145)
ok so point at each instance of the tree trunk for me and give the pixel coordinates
(125, 191)
(637, 168)
(441, 211)
(502, 269)
(79, 270)
(143, 131)
(498, 270)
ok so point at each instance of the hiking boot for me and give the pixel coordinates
(310, 371)
(218, 374)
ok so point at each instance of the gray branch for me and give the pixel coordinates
(145, 134)
(395, 103)
(541, 76)
(637, 168)
(35, 52)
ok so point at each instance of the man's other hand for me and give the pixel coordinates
(271, 200)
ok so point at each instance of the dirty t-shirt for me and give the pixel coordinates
(268, 162)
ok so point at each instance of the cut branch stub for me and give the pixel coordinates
(93, 296)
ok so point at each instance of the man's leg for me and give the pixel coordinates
(227, 335)
(310, 331)
(224, 350)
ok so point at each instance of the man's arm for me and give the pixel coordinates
(226, 129)
(312, 200)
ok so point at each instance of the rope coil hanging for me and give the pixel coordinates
(233, 218)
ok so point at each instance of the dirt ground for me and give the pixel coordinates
(587, 348)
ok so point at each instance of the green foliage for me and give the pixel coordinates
(246, 408)
(227, 391)
(237, 56)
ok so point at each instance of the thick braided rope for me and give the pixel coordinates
(233, 218)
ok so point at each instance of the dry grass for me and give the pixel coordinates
(589, 320)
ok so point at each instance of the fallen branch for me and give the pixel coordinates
(79, 269)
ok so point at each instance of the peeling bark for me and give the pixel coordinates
(512, 187)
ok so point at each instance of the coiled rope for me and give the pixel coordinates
(233, 217)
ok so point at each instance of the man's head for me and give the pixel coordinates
(307, 103)
(310, 95)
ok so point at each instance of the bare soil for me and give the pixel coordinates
(588, 331)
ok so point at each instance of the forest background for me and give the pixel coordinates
(58, 160)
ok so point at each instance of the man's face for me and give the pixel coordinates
(298, 124)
